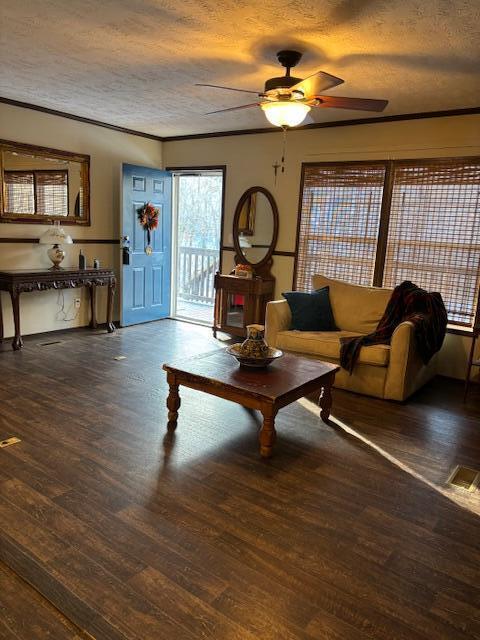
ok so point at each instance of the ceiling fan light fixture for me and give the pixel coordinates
(285, 113)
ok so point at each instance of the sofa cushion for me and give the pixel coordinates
(355, 308)
(310, 311)
(326, 344)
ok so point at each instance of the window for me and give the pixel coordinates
(51, 191)
(434, 232)
(19, 192)
(403, 220)
(40, 192)
(339, 222)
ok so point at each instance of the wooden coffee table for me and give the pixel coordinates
(268, 390)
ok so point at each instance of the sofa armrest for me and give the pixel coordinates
(406, 371)
(277, 318)
(401, 354)
(402, 337)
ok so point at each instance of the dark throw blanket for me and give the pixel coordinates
(408, 302)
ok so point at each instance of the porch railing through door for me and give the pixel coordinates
(195, 274)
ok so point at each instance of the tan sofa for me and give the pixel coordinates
(392, 371)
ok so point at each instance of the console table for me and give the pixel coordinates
(17, 281)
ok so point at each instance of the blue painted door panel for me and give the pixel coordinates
(146, 280)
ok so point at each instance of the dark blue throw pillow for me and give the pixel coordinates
(311, 311)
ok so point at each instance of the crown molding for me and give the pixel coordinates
(328, 125)
(244, 132)
(72, 116)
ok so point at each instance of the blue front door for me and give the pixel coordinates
(146, 277)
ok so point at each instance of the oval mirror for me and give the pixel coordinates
(255, 226)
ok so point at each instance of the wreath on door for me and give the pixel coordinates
(148, 216)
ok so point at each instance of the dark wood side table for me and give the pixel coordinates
(17, 281)
(233, 316)
(268, 390)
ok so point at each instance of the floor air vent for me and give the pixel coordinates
(465, 478)
(49, 344)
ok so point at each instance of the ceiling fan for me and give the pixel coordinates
(287, 100)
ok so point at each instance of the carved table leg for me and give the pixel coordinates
(267, 432)
(173, 402)
(17, 342)
(111, 294)
(216, 313)
(325, 400)
(93, 306)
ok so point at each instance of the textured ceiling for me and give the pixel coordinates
(134, 63)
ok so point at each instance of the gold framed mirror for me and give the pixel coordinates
(41, 185)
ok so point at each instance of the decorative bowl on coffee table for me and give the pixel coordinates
(249, 361)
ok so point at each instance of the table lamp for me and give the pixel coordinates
(55, 236)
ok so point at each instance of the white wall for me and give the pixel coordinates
(108, 149)
(249, 160)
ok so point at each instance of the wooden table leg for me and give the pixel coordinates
(173, 401)
(325, 400)
(111, 294)
(17, 342)
(93, 306)
(267, 432)
(215, 314)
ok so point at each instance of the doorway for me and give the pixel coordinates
(198, 196)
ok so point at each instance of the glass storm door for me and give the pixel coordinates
(197, 228)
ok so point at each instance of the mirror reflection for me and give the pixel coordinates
(255, 227)
(41, 185)
(37, 185)
(235, 310)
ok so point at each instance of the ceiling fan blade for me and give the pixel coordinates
(362, 104)
(243, 106)
(316, 83)
(217, 86)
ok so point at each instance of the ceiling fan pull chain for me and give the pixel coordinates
(281, 164)
(284, 148)
(275, 166)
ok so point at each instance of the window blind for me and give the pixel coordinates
(339, 222)
(52, 193)
(40, 192)
(19, 192)
(434, 231)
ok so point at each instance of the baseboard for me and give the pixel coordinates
(46, 334)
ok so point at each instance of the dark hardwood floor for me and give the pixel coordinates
(348, 532)
(24, 613)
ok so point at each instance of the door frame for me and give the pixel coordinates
(222, 168)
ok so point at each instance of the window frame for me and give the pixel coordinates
(382, 237)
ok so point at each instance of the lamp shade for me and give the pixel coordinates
(285, 113)
(55, 235)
